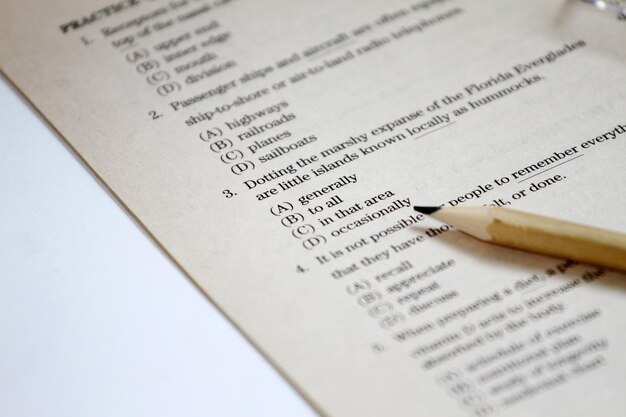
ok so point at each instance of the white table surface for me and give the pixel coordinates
(94, 319)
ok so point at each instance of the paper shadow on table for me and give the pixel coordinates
(533, 264)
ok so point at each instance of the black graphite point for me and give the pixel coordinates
(426, 209)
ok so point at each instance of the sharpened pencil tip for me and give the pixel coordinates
(426, 209)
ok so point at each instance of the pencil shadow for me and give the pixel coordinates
(527, 262)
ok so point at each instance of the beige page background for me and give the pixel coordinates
(247, 262)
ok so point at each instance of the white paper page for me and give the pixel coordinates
(274, 149)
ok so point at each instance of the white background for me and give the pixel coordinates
(94, 319)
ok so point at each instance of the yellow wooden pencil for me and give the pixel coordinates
(517, 229)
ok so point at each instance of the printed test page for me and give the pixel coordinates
(275, 149)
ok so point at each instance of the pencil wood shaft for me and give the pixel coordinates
(540, 234)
